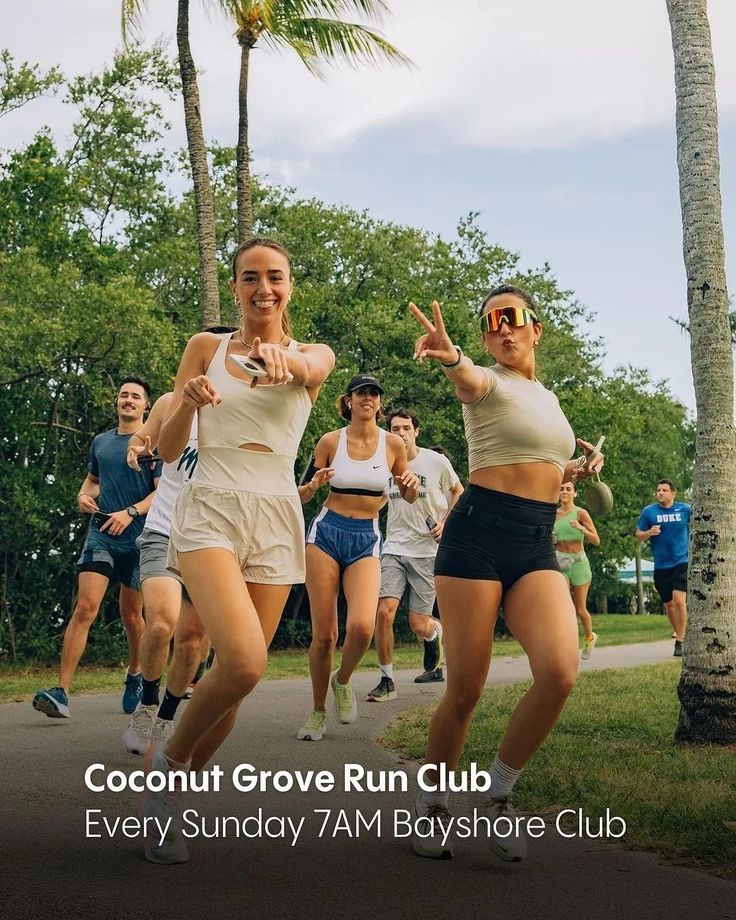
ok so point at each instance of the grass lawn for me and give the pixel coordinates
(613, 749)
(20, 683)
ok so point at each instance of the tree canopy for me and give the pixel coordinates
(98, 278)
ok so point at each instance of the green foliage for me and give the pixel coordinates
(648, 436)
(73, 320)
(99, 277)
(114, 161)
(20, 84)
(67, 343)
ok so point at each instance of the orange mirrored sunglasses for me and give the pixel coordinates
(514, 316)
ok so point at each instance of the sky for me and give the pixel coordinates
(555, 121)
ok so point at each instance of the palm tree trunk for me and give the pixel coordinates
(707, 688)
(242, 168)
(209, 295)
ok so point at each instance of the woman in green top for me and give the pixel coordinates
(572, 527)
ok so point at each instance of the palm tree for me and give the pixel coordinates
(707, 688)
(204, 209)
(313, 30)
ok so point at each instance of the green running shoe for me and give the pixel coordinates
(346, 706)
(314, 727)
(589, 646)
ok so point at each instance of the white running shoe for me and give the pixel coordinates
(346, 706)
(163, 729)
(314, 727)
(137, 736)
(430, 837)
(589, 646)
(164, 813)
(511, 847)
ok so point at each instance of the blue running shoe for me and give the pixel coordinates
(54, 702)
(133, 693)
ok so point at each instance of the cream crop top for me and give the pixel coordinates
(360, 477)
(517, 420)
(274, 416)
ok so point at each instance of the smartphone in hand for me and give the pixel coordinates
(252, 366)
(590, 456)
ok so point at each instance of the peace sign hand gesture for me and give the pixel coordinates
(138, 452)
(435, 343)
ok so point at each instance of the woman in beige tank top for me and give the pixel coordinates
(496, 548)
(237, 534)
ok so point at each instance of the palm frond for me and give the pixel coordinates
(373, 10)
(130, 20)
(306, 52)
(334, 41)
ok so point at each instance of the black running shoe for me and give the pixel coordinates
(383, 692)
(678, 649)
(431, 677)
(433, 651)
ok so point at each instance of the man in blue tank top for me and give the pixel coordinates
(117, 498)
(666, 524)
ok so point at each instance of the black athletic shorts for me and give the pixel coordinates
(117, 561)
(494, 536)
(668, 580)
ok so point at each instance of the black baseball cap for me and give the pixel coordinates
(364, 380)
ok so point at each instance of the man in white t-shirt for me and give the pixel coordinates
(169, 612)
(407, 557)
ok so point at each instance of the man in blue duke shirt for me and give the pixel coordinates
(666, 524)
(117, 498)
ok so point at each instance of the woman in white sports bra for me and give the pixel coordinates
(344, 543)
(237, 526)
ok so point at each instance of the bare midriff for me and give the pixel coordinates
(260, 448)
(363, 507)
(538, 481)
(569, 546)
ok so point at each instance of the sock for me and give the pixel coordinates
(434, 798)
(168, 707)
(174, 764)
(387, 669)
(434, 635)
(200, 672)
(502, 779)
(150, 692)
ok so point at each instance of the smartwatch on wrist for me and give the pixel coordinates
(460, 355)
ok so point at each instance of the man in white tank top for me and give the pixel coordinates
(407, 559)
(168, 612)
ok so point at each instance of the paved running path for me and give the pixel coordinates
(49, 869)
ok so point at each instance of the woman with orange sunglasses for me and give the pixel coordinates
(497, 548)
